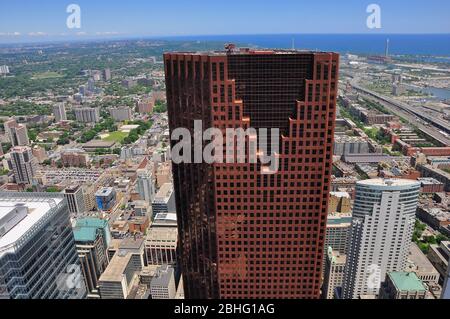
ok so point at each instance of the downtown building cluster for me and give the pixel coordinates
(334, 218)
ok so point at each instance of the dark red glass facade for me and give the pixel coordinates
(245, 234)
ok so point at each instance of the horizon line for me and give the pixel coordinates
(123, 37)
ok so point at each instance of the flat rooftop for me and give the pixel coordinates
(86, 229)
(406, 281)
(162, 276)
(418, 258)
(38, 206)
(99, 144)
(162, 235)
(116, 268)
(340, 194)
(105, 191)
(165, 191)
(166, 217)
(339, 220)
(131, 243)
(429, 181)
(248, 51)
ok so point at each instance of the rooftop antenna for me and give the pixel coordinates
(293, 43)
(230, 47)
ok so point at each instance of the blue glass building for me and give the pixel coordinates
(38, 258)
(105, 198)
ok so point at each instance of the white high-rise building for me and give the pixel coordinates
(23, 164)
(59, 111)
(87, 115)
(384, 214)
(121, 113)
(4, 69)
(146, 185)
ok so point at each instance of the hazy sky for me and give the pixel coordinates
(46, 19)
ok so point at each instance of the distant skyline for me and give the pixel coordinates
(45, 20)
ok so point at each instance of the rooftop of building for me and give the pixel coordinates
(38, 206)
(437, 212)
(116, 268)
(165, 191)
(20, 149)
(114, 244)
(339, 220)
(349, 139)
(436, 170)
(248, 51)
(389, 183)
(138, 220)
(85, 229)
(72, 189)
(442, 251)
(140, 204)
(366, 158)
(336, 257)
(122, 107)
(418, 259)
(149, 270)
(165, 217)
(73, 150)
(429, 181)
(85, 234)
(439, 158)
(131, 243)
(162, 235)
(340, 194)
(406, 281)
(162, 277)
(99, 144)
(104, 191)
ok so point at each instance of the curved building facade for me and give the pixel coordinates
(384, 215)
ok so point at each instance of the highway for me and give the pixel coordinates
(411, 114)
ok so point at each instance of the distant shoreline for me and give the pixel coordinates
(400, 44)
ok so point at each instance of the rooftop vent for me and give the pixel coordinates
(10, 216)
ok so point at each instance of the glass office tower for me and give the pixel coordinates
(38, 258)
(247, 230)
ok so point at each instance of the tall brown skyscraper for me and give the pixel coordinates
(245, 234)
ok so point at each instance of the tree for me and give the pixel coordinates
(6, 147)
(32, 134)
(160, 108)
(424, 247)
(63, 141)
(430, 240)
(440, 238)
(52, 189)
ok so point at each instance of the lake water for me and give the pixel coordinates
(420, 44)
